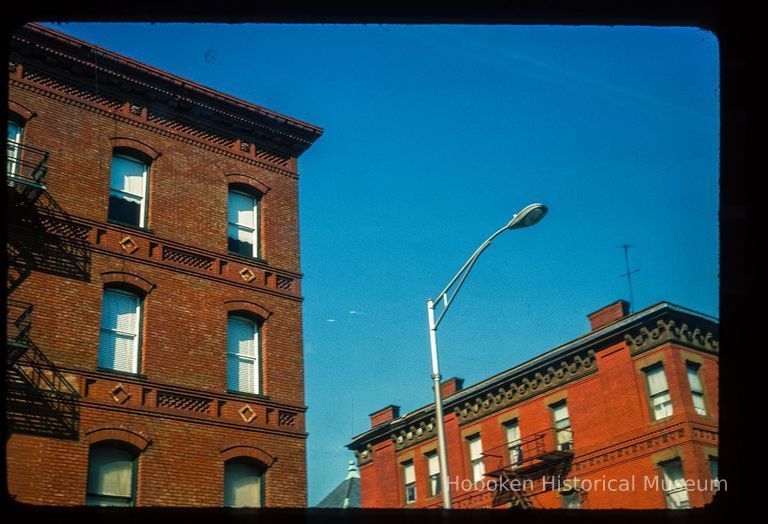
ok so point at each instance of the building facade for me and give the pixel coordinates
(154, 288)
(625, 416)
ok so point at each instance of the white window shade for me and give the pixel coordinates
(119, 337)
(560, 415)
(242, 355)
(657, 380)
(128, 176)
(674, 485)
(409, 473)
(513, 433)
(433, 464)
(242, 485)
(242, 230)
(110, 477)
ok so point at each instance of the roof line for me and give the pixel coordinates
(170, 77)
(582, 340)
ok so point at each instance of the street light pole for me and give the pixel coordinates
(528, 216)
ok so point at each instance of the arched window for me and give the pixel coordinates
(243, 222)
(111, 475)
(128, 189)
(119, 338)
(15, 133)
(243, 362)
(243, 484)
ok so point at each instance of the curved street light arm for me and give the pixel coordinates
(461, 276)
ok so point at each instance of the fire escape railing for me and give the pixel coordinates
(26, 169)
(534, 464)
(40, 400)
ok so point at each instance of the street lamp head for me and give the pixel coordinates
(530, 215)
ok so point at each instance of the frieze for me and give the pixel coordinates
(520, 389)
(503, 396)
(642, 339)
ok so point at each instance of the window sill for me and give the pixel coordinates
(245, 394)
(131, 226)
(252, 260)
(121, 373)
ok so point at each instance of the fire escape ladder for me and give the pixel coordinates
(40, 400)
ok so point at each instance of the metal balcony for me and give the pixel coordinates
(39, 399)
(537, 463)
(26, 170)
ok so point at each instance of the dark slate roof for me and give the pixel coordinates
(348, 491)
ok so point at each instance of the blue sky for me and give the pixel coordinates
(434, 137)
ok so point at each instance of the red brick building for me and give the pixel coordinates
(154, 317)
(625, 416)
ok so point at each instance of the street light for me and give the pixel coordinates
(528, 216)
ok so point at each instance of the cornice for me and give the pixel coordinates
(234, 149)
(180, 95)
(696, 334)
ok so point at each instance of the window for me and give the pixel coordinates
(111, 476)
(476, 465)
(713, 472)
(571, 499)
(243, 484)
(562, 421)
(673, 485)
(242, 355)
(658, 392)
(433, 472)
(409, 482)
(15, 131)
(515, 451)
(697, 391)
(120, 328)
(242, 232)
(127, 191)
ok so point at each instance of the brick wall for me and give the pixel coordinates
(184, 326)
(614, 435)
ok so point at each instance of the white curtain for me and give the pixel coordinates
(475, 456)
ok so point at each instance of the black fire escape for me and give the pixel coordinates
(41, 237)
(535, 464)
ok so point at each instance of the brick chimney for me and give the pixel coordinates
(384, 415)
(606, 315)
(450, 386)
